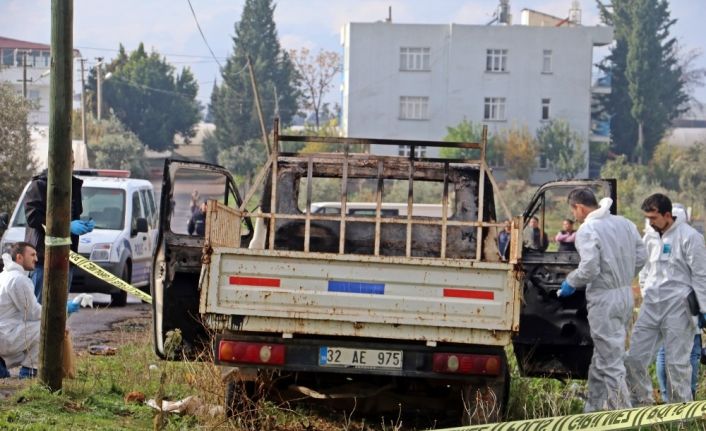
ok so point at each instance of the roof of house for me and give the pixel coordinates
(6, 42)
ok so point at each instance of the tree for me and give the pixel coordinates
(233, 105)
(647, 80)
(692, 175)
(520, 152)
(466, 131)
(562, 147)
(118, 148)
(150, 99)
(16, 163)
(316, 74)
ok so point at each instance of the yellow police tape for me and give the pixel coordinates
(610, 420)
(100, 273)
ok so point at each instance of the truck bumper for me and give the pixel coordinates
(418, 359)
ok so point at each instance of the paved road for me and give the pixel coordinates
(107, 325)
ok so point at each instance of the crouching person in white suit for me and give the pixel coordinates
(20, 313)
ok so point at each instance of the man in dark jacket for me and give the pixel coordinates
(197, 222)
(36, 213)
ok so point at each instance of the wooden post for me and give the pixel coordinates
(58, 239)
(260, 115)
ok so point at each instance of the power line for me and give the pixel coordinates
(193, 13)
(163, 53)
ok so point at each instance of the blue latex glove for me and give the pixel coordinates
(90, 224)
(71, 307)
(566, 290)
(78, 227)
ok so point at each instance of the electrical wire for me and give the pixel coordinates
(198, 26)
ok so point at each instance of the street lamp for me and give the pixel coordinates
(99, 86)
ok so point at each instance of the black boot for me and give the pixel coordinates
(4, 372)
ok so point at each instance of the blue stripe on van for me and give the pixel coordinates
(356, 287)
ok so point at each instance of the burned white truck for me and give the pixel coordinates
(420, 307)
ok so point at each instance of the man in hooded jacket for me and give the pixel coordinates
(612, 254)
(676, 266)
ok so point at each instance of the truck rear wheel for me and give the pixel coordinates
(240, 398)
(485, 402)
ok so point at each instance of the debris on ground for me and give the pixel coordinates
(190, 405)
(102, 350)
(135, 397)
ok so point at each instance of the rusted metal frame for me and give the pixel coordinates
(395, 142)
(344, 205)
(410, 203)
(273, 189)
(383, 220)
(378, 207)
(307, 223)
(481, 194)
(369, 157)
(444, 211)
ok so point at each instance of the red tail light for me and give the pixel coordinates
(460, 363)
(251, 353)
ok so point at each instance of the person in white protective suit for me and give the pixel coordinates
(20, 313)
(612, 254)
(676, 265)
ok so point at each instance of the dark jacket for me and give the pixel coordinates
(36, 212)
(197, 223)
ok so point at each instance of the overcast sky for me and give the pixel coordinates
(168, 25)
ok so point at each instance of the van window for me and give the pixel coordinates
(149, 209)
(152, 207)
(105, 206)
(136, 209)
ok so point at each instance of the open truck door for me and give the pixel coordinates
(177, 262)
(554, 338)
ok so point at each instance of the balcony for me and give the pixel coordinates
(601, 85)
(600, 131)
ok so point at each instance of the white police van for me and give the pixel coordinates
(124, 236)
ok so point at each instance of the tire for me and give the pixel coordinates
(240, 398)
(119, 298)
(486, 402)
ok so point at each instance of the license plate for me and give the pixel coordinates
(359, 358)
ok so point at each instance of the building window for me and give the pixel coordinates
(547, 61)
(542, 161)
(545, 109)
(404, 150)
(414, 58)
(33, 96)
(8, 56)
(494, 109)
(496, 60)
(414, 108)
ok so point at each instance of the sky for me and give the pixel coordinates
(168, 26)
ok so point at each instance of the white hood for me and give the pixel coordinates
(11, 265)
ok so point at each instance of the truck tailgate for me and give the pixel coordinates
(351, 295)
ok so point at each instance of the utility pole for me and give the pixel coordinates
(24, 79)
(58, 239)
(83, 102)
(99, 85)
(263, 129)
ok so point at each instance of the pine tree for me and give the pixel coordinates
(647, 81)
(233, 104)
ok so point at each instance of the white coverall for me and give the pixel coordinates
(676, 264)
(612, 253)
(20, 316)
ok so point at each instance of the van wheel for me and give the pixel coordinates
(119, 298)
